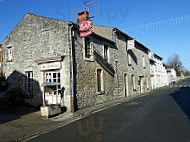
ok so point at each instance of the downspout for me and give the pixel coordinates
(116, 62)
(72, 70)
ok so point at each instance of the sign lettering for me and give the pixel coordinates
(84, 34)
(51, 66)
(84, 26)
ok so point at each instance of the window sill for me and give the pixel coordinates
(100, 93)
(89, 59)
(9, 61)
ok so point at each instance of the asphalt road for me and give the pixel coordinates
(163, 116)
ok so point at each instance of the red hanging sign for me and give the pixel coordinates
(84, 34)
(84, 26)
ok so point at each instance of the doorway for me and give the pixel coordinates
(125, 85)
(141, 85)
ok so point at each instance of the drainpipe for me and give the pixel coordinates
(72, 69)
(116, 62)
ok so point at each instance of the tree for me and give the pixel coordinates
(175, 62)
(186, 73)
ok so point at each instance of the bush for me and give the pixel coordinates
(13, 97)
(3, 84)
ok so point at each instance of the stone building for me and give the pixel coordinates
(132, 62)
(104, 66)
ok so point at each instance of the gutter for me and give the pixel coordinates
(72, 69)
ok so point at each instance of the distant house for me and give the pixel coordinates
(157, 71)
(171, 73)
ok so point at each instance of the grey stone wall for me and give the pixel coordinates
(35, 38)
(38, 37)
(86, 81)
(136, 68)
(121, 66)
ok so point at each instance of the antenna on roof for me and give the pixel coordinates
(91, 5)
(87, 4)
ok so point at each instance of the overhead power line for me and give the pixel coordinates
(160, 23)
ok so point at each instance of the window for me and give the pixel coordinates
(147, 82)
(9, 54)
(106, 54)
(99, 80)
(88, 52)
(54, 77)
(133, 82)
(29, 84)
(139, 81)
(129, 58)
(143, 58)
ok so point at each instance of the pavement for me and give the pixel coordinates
(26, 124)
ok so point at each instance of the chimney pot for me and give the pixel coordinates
(82, 16)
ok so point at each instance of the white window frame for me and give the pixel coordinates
(129, 58)
(108, 52)
(143, 58)
(101, 80)
(147, 81)
(29, 83)
(9, 54)
(133, 82)
(51, 78)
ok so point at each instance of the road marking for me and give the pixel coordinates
(105, 108)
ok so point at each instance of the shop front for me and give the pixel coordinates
(51, 71)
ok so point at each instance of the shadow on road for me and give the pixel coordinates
(182, 98)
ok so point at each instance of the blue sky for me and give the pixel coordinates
(164, 40)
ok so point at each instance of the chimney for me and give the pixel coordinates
(82, 16)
